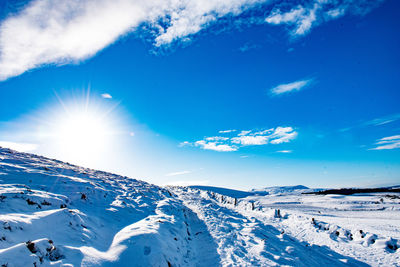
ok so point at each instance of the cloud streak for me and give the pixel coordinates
(226, 131)
(382, 121)
(273, 136)
(106, 96)
(300, 19)
(61, 32)
(284, 151)
(216, 146)
(290, 87)
(386, 143)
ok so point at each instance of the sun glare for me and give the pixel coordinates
(83, 132)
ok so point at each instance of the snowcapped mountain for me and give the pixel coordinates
(54, 213)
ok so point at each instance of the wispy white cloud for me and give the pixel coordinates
(22, 147)
(249, 140)
(106, 95)
(244, 132)
(226, 131)
(282, 135)
(375, 122)
(290, 87)
(185, 143)
(383, 120)
(178, 173)
(69, 31)
(216, 138)
(302, 18)
(48, 32)
(274, 136)
(248, 46)
(263, 132)
(390, 142)
(215, 146)
(284, 151)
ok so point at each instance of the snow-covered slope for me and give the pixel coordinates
(54, 213)
(58, 214)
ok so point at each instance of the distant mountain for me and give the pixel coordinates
(275, 190)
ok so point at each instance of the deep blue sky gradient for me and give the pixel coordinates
(197, 89)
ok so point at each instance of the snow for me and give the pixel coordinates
(56, 214)
(91, 217)
(224, 191)
(356, 229)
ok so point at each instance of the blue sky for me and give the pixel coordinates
(242, 94)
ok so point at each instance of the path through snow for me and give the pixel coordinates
(246, 241)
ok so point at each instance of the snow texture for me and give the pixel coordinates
(56, 214)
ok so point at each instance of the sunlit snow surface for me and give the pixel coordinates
(54, 213)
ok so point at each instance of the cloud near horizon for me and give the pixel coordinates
(22, 147)
(61, 32)
(274, 136)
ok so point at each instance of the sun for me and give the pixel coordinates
(83, 132)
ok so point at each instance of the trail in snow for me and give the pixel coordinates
(202, 247)
(246, 241)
